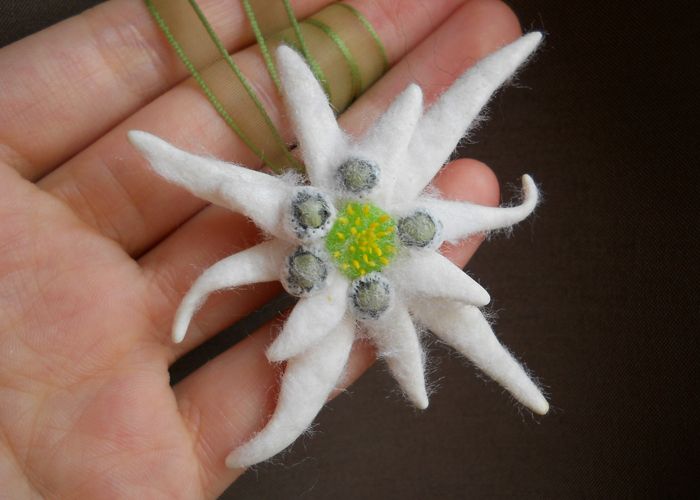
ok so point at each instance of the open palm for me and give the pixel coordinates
(96, 251)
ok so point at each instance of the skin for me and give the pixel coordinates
(96, 251)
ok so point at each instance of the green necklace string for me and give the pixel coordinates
(202, 52)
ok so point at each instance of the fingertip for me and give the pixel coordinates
(469, 180)
(502, 22)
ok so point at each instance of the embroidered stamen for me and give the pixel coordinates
(371, 233)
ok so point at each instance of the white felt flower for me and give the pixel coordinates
(359, 244)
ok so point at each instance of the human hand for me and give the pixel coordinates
(96, 251)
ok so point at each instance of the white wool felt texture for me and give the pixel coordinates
(409, 148)
(311, 319)
(388, 137)
(428, 274)
(257, 264)
(460, 220)
(322, 142)
(398, 344)
(465, 329)
(448, 120)
(308, 381)
(261, 197)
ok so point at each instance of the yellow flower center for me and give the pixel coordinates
(362, 239)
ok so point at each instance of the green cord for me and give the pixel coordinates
(300, 44)
(198, 78)
(246, 85)
(347, 55)
(262, 43)
(370, 29)
(315, 68)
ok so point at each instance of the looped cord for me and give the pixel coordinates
(341, 47)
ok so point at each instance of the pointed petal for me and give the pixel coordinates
(386, 142)
(460, 219)
(428, 274)
(311, 319)
(306, 385)
(257, 264)
(448, 120)
(466, 329)
(260, 196)
(397, 342)
(322, 142)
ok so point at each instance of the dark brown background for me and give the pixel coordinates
(598, 293)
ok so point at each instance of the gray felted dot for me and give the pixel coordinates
(306, 271)
(417, 230)
(371, 296)
(357, 175)
(310, 210)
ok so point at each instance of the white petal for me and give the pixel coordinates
(387, 140)
(257, 264)
(449, 119)
(428, 274)
(466, 329)
(311, 319)
(460, 219)
(397, 342)
(307, 383)
(322, 142)
(260, 196)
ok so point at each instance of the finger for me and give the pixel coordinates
(64, 87)
(230, 398)
(110, 186)
(169, 266)
(484, 186)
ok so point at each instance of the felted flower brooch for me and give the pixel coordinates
(358, 245)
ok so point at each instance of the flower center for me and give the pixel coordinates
(362, 240)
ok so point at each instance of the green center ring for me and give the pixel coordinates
(362, 239)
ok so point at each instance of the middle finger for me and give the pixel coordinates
(110, 187)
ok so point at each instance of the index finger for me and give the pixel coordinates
(66, 86)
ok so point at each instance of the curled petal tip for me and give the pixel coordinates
(528, 182)
(530, 191)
